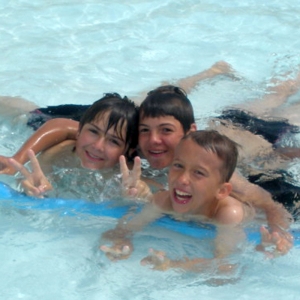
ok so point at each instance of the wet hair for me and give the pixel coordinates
(221, 145)
(122, 112)
(168, 100)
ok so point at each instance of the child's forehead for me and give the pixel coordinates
(104, 121)
(192, 154)
(164, 119)
(188, 145)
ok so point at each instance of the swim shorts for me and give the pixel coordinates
(280, 185)
(70, 111)
(270, 129)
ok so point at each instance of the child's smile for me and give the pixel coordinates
(194, 178)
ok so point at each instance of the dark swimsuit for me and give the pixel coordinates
(70, 111)
(271, 129)
(280, 184)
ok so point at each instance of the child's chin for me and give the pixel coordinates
(91, 166)
(180, 208)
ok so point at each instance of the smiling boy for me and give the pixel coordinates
(199, 189)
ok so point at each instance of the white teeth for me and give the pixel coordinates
(182, 194)
(156, 152)
(93, 156)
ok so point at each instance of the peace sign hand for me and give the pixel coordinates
(133, 186)
(35, 183)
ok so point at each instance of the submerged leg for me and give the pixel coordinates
(14, 106)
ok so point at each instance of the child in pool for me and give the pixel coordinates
(106, 131)
(199, 190)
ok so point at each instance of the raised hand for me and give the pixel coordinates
(132, 184)
(35, 182)
(275, 243)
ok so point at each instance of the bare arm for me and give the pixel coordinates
(226, 241)
(51, 133)
(276, 214)
(278, 218)
(190, 82)
(122, 234)
(289, 152)
(276, 95)
(219, 68)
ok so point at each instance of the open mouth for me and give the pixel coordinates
(181, 197)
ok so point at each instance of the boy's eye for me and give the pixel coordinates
(143, 129)
(167, 130)
(92, 130)
(177, 165)
(199, 173)
(115, 142)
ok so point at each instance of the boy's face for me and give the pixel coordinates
(194, 179)
(98, 149)
(158, 138)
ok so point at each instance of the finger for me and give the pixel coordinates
(30, 189)
(125, 250)
(264, 231)
(123, 168)
(116, 253)
(43, 188)
(275, 238)
(19, 167)
(155, 258)
(136, 171)
(4, 166)
(36, 168)
(282, 245)
(265, 235)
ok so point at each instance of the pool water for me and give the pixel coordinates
(56, 52)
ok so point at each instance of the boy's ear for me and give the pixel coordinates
(224, 191)
(193, 127)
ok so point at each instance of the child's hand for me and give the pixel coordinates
(157, 259)
(282, 242)
(6, 167)
(122, 246)
(132, 184)
(121, 249)
(35, 183)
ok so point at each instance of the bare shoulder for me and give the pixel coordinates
(230, 211)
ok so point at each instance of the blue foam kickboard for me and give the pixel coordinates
(110, 209)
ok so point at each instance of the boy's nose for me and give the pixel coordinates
(99, 144)
(155, 137)
(184, 178)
